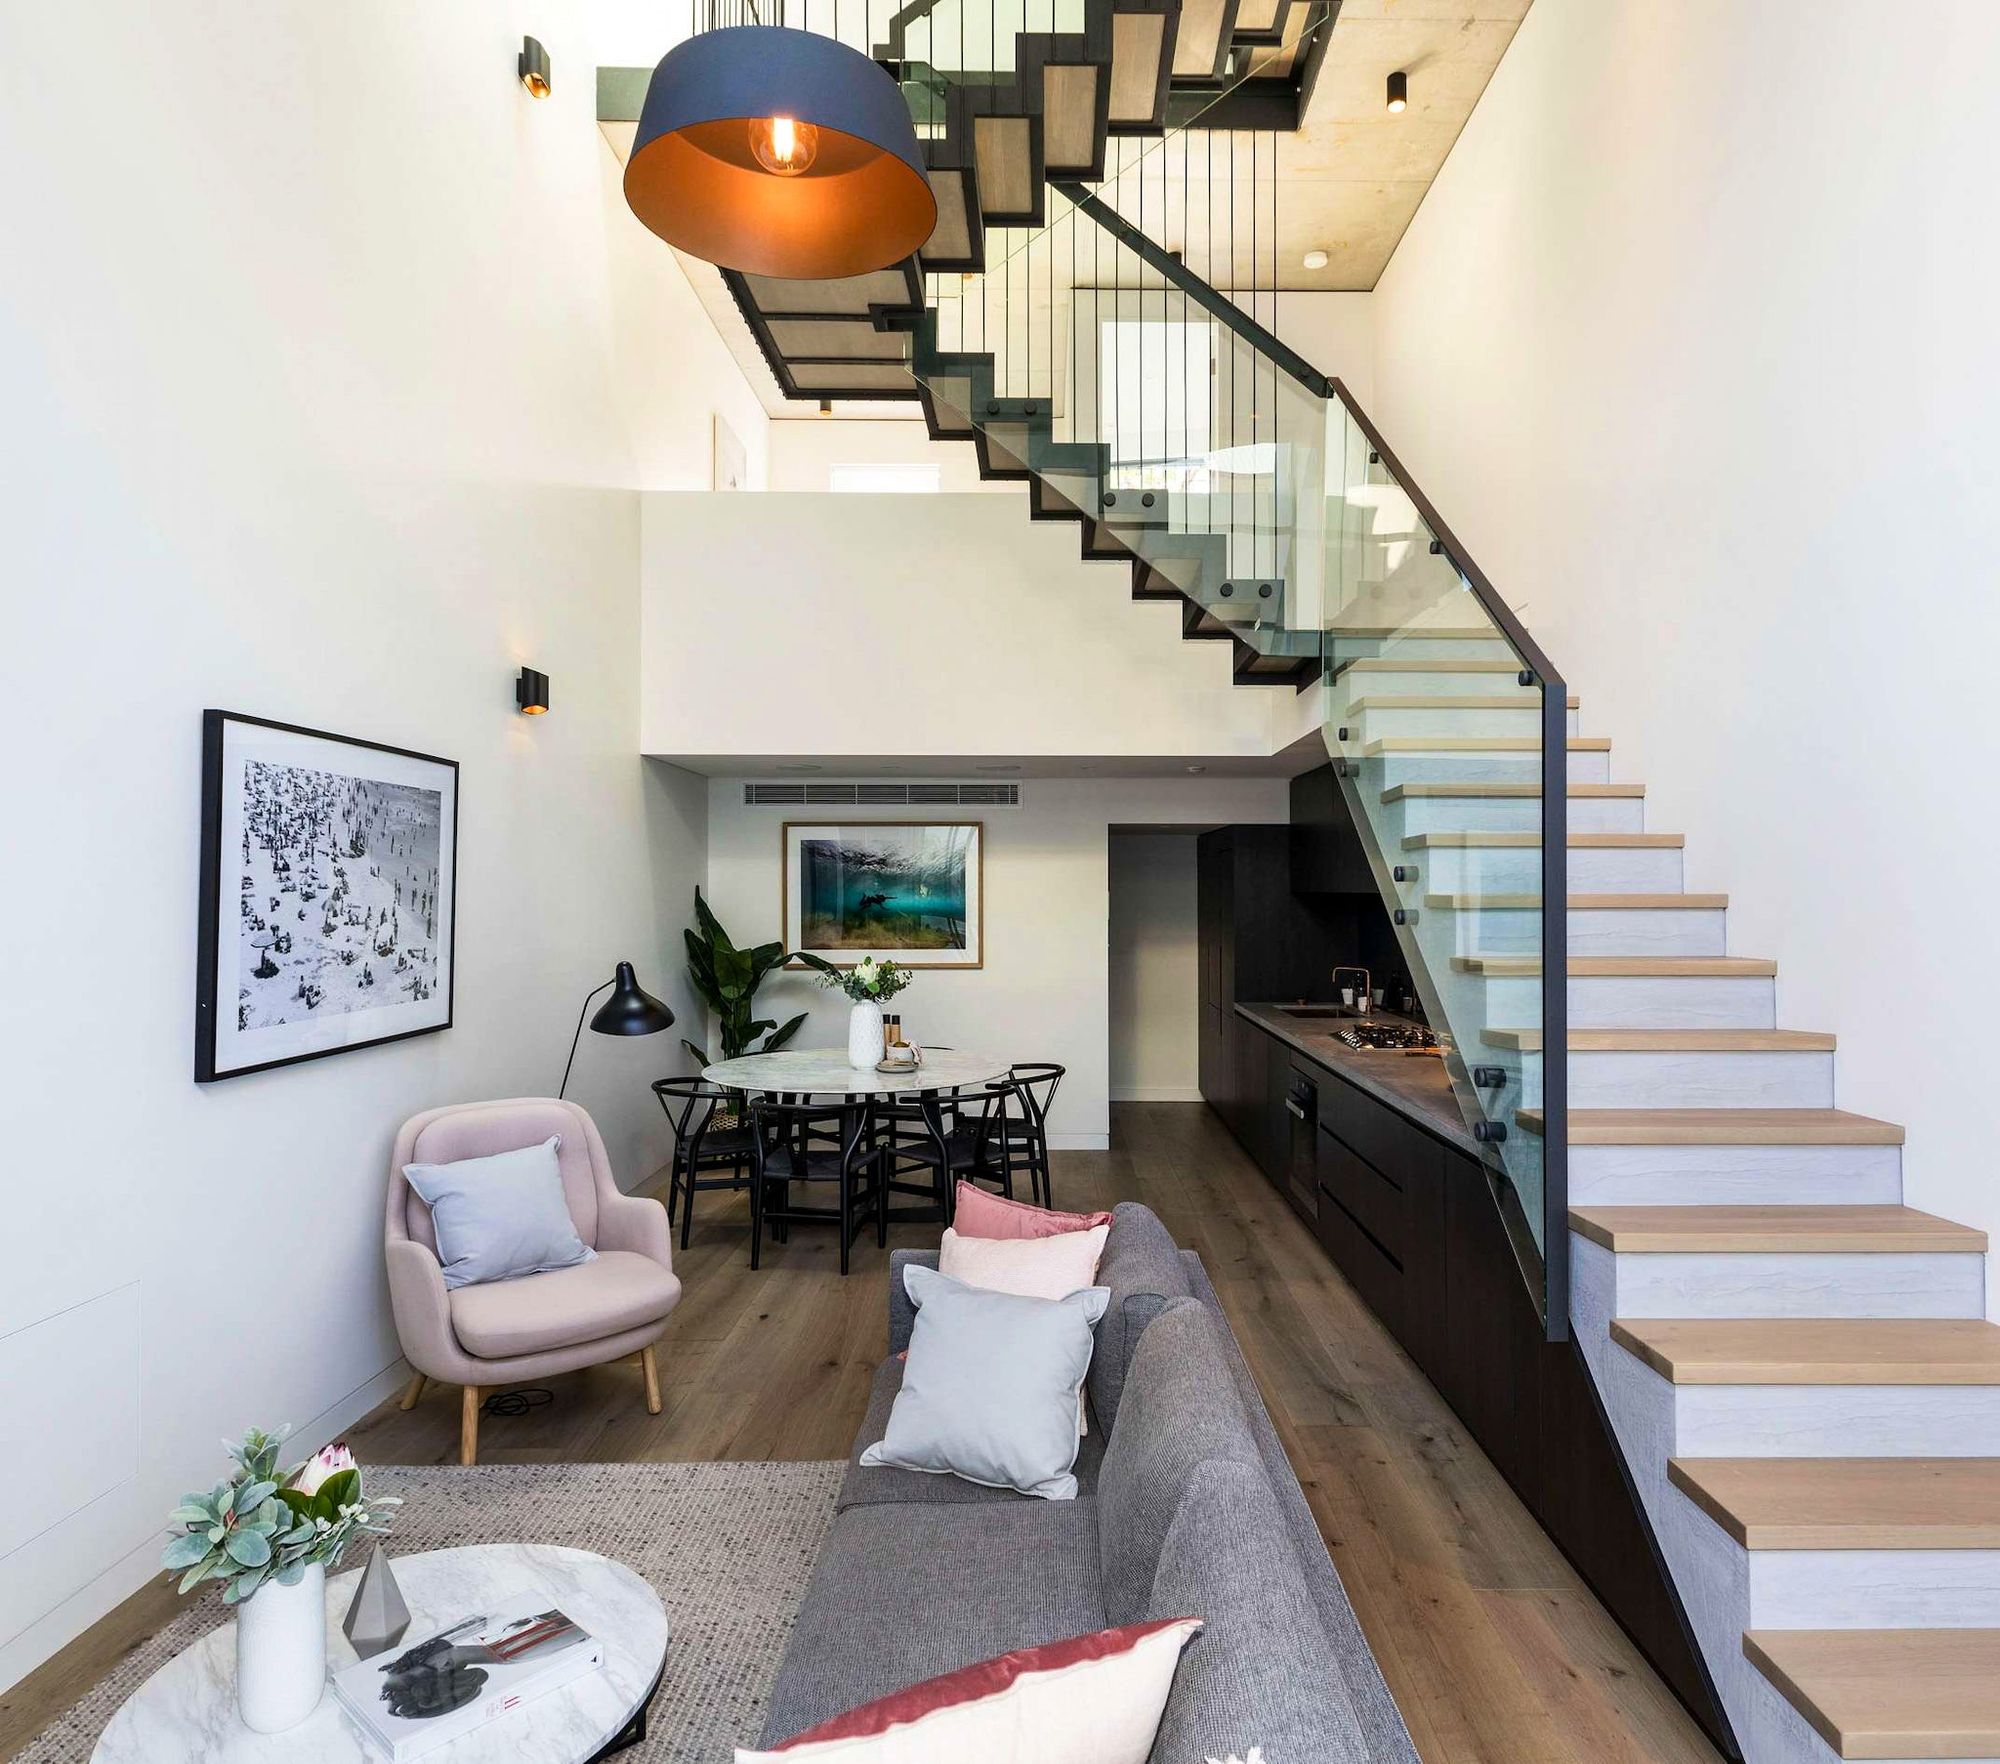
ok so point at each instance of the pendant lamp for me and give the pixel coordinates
(781, 153)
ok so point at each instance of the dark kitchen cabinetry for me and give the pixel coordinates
(1327, 856)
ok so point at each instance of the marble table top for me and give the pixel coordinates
(187, 1709)
(824, 1071)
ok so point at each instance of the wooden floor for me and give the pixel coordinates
(1492, 1646)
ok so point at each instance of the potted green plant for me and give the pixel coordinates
(726, 978)
(867, 985)
(268, 1536)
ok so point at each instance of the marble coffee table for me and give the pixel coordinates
(187, 1709)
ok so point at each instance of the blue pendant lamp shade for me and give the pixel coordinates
(780, 153)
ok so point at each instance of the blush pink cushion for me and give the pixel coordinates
(979, 1214)
(1030, 1267)
(1093, 1699)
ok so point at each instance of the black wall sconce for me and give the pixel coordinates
(531, 693)
(533, 68)
(1399, 92)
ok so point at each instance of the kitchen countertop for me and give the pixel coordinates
(1416, 1087)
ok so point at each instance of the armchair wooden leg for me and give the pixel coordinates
(652, 1367)
(468, 1426)
(415, 1391)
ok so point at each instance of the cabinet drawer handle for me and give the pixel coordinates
(1294, 1110)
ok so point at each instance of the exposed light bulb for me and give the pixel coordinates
(784, 146)
(1399, 92)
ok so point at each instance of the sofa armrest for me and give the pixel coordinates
(422, 1309)
(637, 1223)
(903, 1314)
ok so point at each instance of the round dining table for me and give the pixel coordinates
(824, 1071)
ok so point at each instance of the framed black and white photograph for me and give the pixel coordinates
(328, 868)
(911, 892)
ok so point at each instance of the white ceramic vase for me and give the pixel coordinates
(864, 1034)
(281, 1652)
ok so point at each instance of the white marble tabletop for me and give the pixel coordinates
(824, 1071)
(187, 1709)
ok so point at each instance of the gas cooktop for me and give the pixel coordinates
(1386, 1035)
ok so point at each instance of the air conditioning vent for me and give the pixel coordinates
(920, 795)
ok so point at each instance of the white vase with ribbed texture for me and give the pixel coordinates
(864, 1034)
(281, 1652)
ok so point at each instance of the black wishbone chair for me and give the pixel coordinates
(700, 1146)
(802, 1142)
(1033, 1083)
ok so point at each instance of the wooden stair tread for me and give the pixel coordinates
(1889, 1693)
(1530, 839)
(1523, 700)
(1847, 1503)
(1626, 967)
(1480, 744)
(1720, 1127)
(1815, 1350)
(1774, 1230)
(1512, 792)
(1583, 903)
(1669, 1040)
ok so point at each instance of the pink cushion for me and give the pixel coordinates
(539, 1312)
(979, 1214)
(1031, 1267)
(1092, 1699)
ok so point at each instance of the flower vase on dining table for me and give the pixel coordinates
(864, 1034)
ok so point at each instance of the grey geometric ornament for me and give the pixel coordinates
(378, 1617)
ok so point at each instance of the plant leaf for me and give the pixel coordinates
(300, 1504)
(254, 1494)
(698, 1055)
(186, 1550)
(341, 1489)
(251, 1548)
(778, 1037)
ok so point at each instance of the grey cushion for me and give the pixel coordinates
(500, 1217)
(1258, 1673)
(1141, 1265)
(868, 1485)
(902, 1310)
(902, 1593)
(990, 1388)
(1181, 1410)
(1380, 1719)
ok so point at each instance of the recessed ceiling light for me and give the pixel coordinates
(1197, 768)
(1399, 92)
(1314, 260)
(802, 768)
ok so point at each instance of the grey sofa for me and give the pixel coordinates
(1188, 1507)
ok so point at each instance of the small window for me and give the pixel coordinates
(887, 480)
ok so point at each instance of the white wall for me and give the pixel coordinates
(859, 625)
(1335, 333)
(305, 368)
(1155, 969)
(805, 450)
(1044, 993)
(1693, 344)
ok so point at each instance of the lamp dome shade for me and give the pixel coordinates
(630, 1010)
(845, 192)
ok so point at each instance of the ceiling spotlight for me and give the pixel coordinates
(1197, 768)
(533, 67)
(826, 407)
(1399, 92)
(1314, 260)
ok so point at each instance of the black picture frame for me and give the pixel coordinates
(213, 1063)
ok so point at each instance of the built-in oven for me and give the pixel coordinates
(1302, 1166)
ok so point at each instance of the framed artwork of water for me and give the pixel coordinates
(910, 891)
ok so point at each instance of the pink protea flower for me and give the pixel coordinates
(327, 1461)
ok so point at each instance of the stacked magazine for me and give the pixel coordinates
(415, 1697)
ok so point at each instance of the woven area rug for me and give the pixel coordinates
(728, 1547)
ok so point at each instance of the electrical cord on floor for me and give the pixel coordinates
(517, 1402)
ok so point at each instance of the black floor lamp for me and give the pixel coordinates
(628, 1011)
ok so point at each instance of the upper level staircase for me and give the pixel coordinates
(1797, 1366)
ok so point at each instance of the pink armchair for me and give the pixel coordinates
(510, 1331)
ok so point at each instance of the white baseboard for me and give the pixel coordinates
(48, 1634)
(1144, 1093)
(1079, 1142)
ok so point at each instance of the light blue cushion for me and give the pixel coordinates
(990, 1389)
(500, 1217)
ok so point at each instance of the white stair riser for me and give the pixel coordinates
(1510, 814)
(1517, 869)
(1616, 931)
(1635, 1001)
(1352, 683)
(1837, 1420)
(1735, 1175)
(1799, 1285)
(1523, 721)
(1875, 1589)
(1689, 1080)
(1415, 766)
